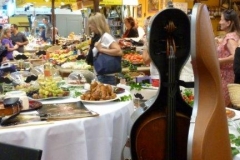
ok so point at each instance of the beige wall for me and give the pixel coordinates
(21, 21)
(146, 13)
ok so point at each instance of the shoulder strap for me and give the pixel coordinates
(100, 39)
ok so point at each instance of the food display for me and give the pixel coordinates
(29, 88)
(49, 89)
(36, 44)
(188, 96)
(62, 55)
(83, 47)
(133, 57)
(99, 92)
(81, 65)
(76, 78)
(230, 113)
(71, 35)
(124, 43)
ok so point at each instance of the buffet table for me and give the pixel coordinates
(64, 72)
(93, 138)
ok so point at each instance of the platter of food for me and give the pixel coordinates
(99, 93)
(33, 105)
(76, 79)
(230, 113)
(49, 89)
(48, 98)
(74, 83)
(118, 90)
(98, 101)
(150, 87)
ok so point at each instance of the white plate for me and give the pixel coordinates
(75, 85)
(103, 101)
(150, 87)
(49, 98)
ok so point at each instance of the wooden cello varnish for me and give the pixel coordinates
(208, 133)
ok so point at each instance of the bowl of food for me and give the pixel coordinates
(76, 79)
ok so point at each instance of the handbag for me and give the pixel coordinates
(106, 64)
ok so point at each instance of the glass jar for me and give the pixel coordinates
(47, 69)
(20, 64)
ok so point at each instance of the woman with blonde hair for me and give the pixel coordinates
(5, 40)
(226, 49)
(103, 43)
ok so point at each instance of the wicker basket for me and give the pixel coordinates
(234, 93)
(53, 48)
(36, 62)
(136, 74)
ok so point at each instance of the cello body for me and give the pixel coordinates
(208, 133)
(154, 135)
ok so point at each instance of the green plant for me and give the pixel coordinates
(127, 77)
(132, 68)
(236, 141)
(188, 96)
(133, 85)
(125, 98)
(125, 63)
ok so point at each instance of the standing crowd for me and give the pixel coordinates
(228, 47)
(13, 40)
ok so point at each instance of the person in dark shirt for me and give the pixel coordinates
(131, 30)
(3, 60)
(48, 30)
(236, 65)
(18, 38)
(42, 33)
(3, 53)
(1, 28)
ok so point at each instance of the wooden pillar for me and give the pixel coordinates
(53, 22)
(96, 5)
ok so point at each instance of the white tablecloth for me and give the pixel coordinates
(93, 138)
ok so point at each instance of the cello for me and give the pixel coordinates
(208, 133)
(161, 132)
(201, 133)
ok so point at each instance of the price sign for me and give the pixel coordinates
(112, 2)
